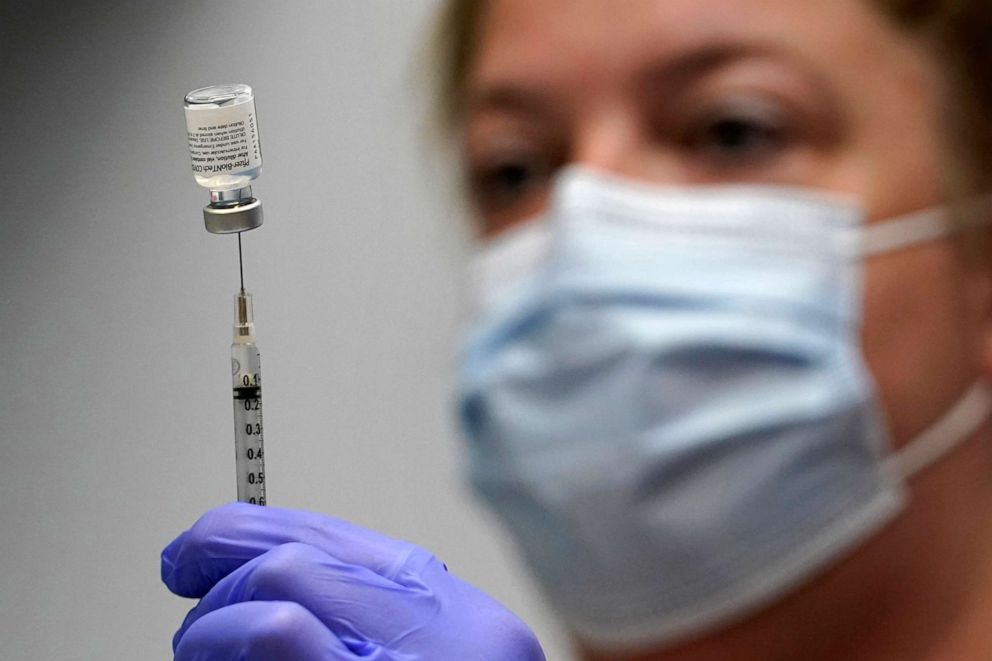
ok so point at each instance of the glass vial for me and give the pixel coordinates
(226, 154)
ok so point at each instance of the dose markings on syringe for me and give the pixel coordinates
(249, 447)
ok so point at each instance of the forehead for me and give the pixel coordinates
(524, 39)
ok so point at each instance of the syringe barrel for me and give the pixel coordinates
(246, 381)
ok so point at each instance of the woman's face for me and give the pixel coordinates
(824, 95)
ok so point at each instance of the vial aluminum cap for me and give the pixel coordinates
(230, 219)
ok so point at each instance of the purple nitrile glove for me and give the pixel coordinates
(290, 585)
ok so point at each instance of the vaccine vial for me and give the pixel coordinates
(226, 154)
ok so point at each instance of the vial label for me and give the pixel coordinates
(223, 141)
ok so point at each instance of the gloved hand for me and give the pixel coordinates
(289, 585)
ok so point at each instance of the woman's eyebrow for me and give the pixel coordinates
(509, 97)
(678, 71)
(671, 72)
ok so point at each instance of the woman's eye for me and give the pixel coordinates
(741, 135)
(738, 137)
(504, 183)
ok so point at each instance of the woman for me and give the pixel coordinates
(728, 381)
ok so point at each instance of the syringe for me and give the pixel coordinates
(247, 387)
(222, 129)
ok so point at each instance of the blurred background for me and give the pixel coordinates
(116, 304)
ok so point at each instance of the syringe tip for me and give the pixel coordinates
(244, 316)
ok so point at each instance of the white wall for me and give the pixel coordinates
(115, 305)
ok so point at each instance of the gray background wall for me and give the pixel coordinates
(115, 305)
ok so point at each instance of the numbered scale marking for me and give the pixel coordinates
(248, 426)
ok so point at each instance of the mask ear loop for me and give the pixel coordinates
(960, 423)
(526, 246)
(975, 406)
(924, 226)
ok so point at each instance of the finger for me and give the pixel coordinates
(261, 631)
(355, 603)
(225, 538)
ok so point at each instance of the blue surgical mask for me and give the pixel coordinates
(666, 401)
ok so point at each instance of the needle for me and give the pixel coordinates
(241, 267)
